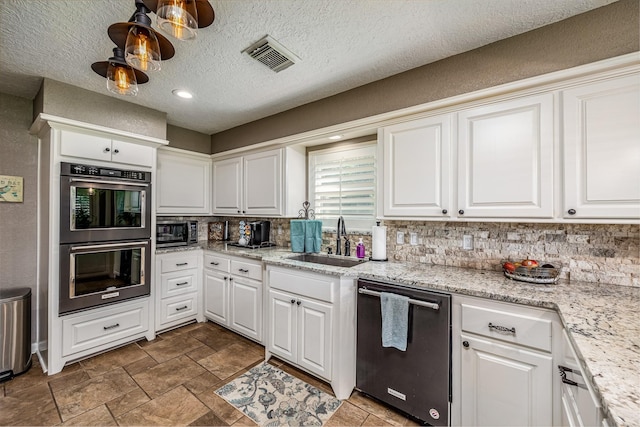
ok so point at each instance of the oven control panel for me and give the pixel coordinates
(87, 170)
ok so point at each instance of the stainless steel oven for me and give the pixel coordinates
(103, 204)
(92, 275)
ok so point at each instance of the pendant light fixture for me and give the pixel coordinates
(182, 18)
(144, 48)
(122, 79)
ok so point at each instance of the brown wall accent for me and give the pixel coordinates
(602, 33)
(18, 157)
(71, 102)
(188, 139)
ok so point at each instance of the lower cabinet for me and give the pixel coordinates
(233, 293)
(503, 364)
(311, 324)
(178, 289)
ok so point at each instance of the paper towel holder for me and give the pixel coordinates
(371, 257)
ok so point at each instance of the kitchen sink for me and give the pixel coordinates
(327, 260)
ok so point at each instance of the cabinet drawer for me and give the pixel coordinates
(178, 308)
(216, 262)
(179, 282)
(178, 263)
(103, 326)
(508, 326)
(306, 284)
(247, 269)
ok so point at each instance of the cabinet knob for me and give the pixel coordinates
(571, 211)
(116, 151)
(461, 212)
(244, 212)
(106, 150)
(238, 210)
(298, 302)
(231, 279)
(292, 301)
(465, 344)
(444, 211)
(225, 277)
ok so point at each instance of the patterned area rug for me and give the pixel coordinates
(272, 397)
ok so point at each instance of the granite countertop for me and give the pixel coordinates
(602, 320)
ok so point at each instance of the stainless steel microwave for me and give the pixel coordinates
(176, 233)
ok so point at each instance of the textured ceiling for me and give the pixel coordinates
(342, 44)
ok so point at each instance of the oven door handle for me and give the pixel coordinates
(99, 181)
(109, 245)
(421, 303)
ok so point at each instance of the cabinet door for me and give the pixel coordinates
(602, 149)
(227, 186)
(216, 297)
(504, 384)
(416, 171)
(246, 307)
(263, 183)
(505, 159)
(85, 146)
(183, 184)
(282, 325)
(314, 336)
(132, 154)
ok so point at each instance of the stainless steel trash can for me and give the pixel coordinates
(15, 332)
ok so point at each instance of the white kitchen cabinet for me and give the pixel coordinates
(184, 183)
(265, 183)
(233, 293)
(311, 324)
(502, 363)
(601, 143)
(505, 159)
(97, 329)
(97, 147)
(178, 288)
(580, 405)
(416, 173)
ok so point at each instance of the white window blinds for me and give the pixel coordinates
(342, 182)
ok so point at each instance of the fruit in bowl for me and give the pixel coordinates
(529, 263)
(509, 266)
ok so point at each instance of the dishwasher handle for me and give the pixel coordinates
(411, 300)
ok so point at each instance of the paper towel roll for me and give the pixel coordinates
(379, 243)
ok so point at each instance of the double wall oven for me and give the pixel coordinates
(105, 236)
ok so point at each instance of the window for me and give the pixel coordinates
(342, 182)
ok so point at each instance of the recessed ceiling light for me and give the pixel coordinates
(182, 93)
(335, 137)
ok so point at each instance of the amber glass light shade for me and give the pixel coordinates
(178, 18)
(142, 50)
(121, 79)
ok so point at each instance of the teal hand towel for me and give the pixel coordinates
(395, 320)
(297, 233)
(313, 236)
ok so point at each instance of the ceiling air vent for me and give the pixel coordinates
(272, 54)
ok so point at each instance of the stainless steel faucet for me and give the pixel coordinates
(342, 232)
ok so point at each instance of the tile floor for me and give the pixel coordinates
(168, 381)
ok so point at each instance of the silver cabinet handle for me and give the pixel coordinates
(106, 328)
(182, 308)
(502, 328)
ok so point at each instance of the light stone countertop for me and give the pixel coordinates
(602, 320)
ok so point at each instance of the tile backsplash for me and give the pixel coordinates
(601, 253)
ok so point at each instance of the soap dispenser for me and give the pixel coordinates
(360, 249)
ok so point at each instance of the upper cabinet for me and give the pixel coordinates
(505, 159)
(416, 163)
(265, 183)
(601, 148)
(184, 183)
(103, 148)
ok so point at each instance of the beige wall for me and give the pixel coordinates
(188, 139)
(18, 157)
(606, 32)
(71, 102)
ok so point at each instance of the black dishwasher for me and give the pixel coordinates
(416, 381)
